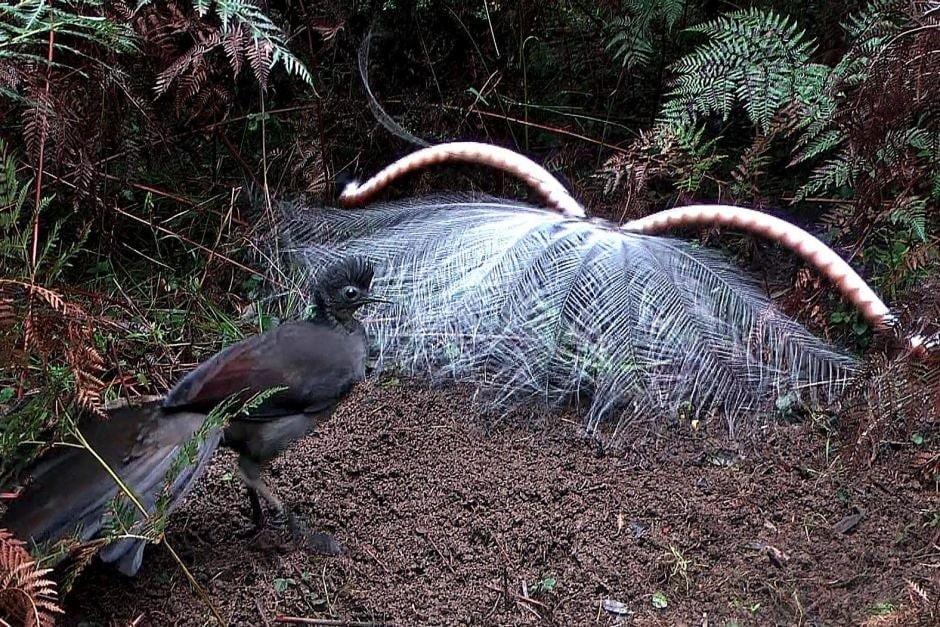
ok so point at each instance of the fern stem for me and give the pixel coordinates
(42, 153)
(143, 510)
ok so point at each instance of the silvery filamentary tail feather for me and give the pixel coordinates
(531, 303)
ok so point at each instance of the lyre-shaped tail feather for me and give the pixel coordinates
(533, 304)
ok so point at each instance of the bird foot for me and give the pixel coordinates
(281, 519)
(319, 542)
(259, 522)
(323, 543)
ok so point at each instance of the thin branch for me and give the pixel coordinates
(551, 129)
(332, 622)
(42, 155)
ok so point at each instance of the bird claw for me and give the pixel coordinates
(281, 519)
(259, 522)
(324, 544)
(251, 533)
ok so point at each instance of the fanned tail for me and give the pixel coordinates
(531, 304)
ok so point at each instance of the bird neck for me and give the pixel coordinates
(335, 318)
(326, 313)
(344, 319)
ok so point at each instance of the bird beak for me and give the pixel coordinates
(376, 299)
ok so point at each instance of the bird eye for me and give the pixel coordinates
(350, 292)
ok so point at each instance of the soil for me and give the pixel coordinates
(450, 516)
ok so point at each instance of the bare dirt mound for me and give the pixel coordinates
(449, 518)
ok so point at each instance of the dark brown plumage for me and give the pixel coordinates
(317, 361)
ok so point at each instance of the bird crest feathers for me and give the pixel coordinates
(353, 270)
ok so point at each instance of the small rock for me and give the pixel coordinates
(639, 529)
(724, 458)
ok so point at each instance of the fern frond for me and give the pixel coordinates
(815, 146)
(631, 36)
(27, 596)
(837, 172)
(755, 59)
(185, 63)
(266, 47)
(25, 27)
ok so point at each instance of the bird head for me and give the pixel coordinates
(345, 286)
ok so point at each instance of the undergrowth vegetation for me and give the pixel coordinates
(143, 144)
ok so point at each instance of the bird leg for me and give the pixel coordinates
(257, 512)
(250, 472)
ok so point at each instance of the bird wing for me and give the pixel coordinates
(69, 492)
(317, 363)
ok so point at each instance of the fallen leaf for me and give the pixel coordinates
(615, 607)
(660, 602)
(848, 524)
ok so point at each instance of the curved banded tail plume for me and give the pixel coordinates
(853, 288)
(813, 251)
(535, 176)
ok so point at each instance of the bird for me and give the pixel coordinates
(544, 302)
(307, 365)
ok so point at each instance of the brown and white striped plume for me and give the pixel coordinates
(552, 192)
(825, 260)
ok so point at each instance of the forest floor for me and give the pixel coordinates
(452, 517)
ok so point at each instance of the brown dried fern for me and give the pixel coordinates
(71, 557)
(27, 597)
(899, 391)
(43, 330)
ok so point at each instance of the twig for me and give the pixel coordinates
(337, 622)
(42, 152)
(433, 544)
(375, 558)
(264, 162)
(155, 191)
(218, 238)
(148, 188)
(206, 249)
(518, 597)
(239, 158)
(174, 234)
(264, 618)
(38, 202)
(172, 139)
(544, 127)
